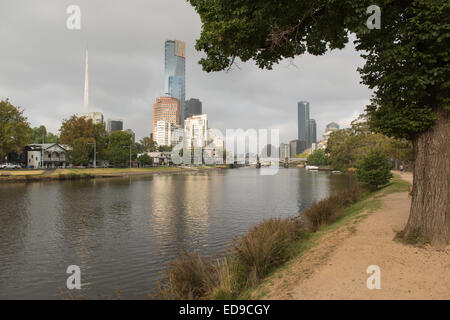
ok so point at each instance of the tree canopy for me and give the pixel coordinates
(406, 60)
(41, 135)
(15, 131)
(119, 148)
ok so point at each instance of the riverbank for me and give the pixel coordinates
(324, 254)
(91, 173)
(333, 265)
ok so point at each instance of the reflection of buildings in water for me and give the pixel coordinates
(196, 205)
(180, 209)
(165, 201)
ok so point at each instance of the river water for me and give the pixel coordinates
(122, 232)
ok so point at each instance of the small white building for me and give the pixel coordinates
(50, 155)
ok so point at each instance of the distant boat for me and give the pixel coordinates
(336, 171)
(312, 168)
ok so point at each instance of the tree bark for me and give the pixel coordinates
(430, 212)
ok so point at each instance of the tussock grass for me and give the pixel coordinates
(252, 256)
(328, 210)
(255, 255)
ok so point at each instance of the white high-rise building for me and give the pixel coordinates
(196, 131)
(96, 117)
(162, 133)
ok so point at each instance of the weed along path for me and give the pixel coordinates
(335, 267)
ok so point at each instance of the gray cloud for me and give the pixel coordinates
(42, 69)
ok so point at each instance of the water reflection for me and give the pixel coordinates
(123, 232)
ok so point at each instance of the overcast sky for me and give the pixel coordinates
(42, 69)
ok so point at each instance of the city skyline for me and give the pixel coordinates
(49, 84)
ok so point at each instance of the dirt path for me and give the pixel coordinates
(336, 268)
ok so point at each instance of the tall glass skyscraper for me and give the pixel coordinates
(175, 72)
(312, 131)
(303, 121)
(307, 128)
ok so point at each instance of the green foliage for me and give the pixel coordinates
(81, 150)
(74, 128)
(164, 148)
(119, 148)
(145, 160)
(318, 158)
(40, 135)
(374, 170)
(15, 131)
(100, 140)
(347, 146)
(406, 61)
(148, 145)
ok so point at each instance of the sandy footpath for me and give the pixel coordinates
(337, 266)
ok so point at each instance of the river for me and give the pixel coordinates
(122, 232)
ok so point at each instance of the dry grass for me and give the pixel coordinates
(328, 210)
(21, 172)
(252, 256)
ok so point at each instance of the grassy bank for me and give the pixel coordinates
(79, 174)
(257, 256)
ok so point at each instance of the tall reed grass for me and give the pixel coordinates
(251, 256)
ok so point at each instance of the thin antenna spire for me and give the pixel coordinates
(86, 85)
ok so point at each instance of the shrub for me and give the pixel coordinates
(188, 277)
(374, 170)
(265, 246)
(328, 210)
(318, 158)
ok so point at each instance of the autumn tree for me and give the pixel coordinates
(74, 128)
(406, 64)
(78, 129)
(15, 131)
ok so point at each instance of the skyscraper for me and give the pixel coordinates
(114, 125)
(166, 109)
(303, 121)
(175, 72)
(307, 128)
(312, 131)
(193, 108)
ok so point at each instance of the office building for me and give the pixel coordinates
(196, 131)
(307, 128)
(193, 108)
(303, 120)
(162, 133)
(96, 117)
(175, 72)
(166, 109)
(114, 125)
(297, 146)
(330, 128)
(312, 127)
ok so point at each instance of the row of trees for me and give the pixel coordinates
(81, 134)
(348, 146)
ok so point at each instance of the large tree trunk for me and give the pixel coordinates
(430, 212)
